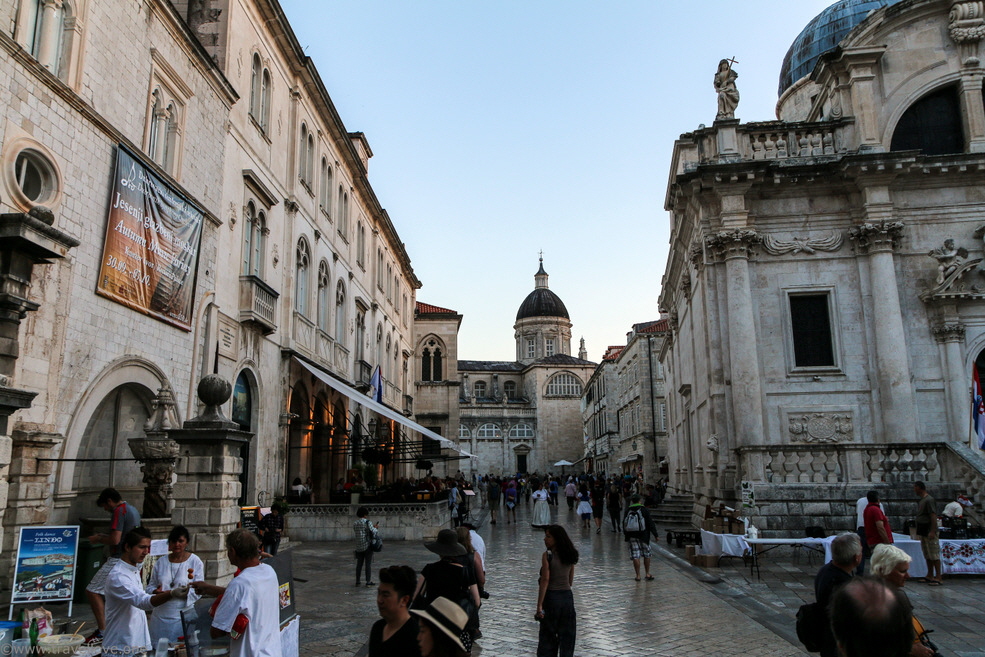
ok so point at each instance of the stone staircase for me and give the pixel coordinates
(674, 511)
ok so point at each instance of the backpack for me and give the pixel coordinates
(810, 618)
(635, 522)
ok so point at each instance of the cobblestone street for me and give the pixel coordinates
(677, 614)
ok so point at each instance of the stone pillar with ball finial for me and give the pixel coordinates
(206, 495)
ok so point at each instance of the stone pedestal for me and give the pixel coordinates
(29, 491)
(207, 492)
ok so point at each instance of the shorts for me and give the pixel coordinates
(639, 549)
(931, 548)
(586, 516)
(597, 511)
(98, 583)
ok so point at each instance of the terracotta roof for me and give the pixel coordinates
(427, 309)
(613, 352)
(659, 326)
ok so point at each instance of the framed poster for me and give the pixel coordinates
(46, 564)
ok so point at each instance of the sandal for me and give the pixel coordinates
(922, 580)
(649, 578)
(934, 582)
(637, 579)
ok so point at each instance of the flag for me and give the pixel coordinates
(977, 407)
(376, 385)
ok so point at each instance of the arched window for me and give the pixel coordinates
(464, 433)
(431, 362)
(361, 245)
(479, 389)
(309, 160)
(488, 430)
(340, 317)
(564, 385)
(932, 125)
(301, 278)
(385, 364)
(303, 155)
(359, 348)
(509, 389)
(48, 34)
(254, 234)
(521, 431)
(325, 189)
(256, 87)
(264, 118)
(324, 290)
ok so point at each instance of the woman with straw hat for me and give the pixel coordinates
(442, 630)
(448, 577)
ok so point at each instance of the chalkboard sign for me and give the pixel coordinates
(249, 518)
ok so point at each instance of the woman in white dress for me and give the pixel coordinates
(180, 568)
(542, 511)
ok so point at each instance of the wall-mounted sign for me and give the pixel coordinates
(150, 254)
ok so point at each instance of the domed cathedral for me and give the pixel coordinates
(510, 416)
(825, 286)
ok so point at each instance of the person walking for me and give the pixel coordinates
(511, 497)
(570, 492)
(365, 532)
(542, 511)
(553, 488)
(637, 527)
(614, 502)
(271, 527)
(584, 506)
(598, 502)
(442, 630)
(395, 634)
(860, 506)
(449, 577)
(494, 492)
(180, 568)
(555, 602)
(926, 520)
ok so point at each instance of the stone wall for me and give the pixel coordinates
(398, 522)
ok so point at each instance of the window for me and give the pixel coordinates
(360, 346)
(264, 118)
(530, 348)
(254, 235)
(46, 29)
(431, 362)
(325, 188)
(522, 431)
(361, 246)
(389, 282)
(933, 125)
(488, 430)
(810, 324)
(509, 389)
(33, 178)
(479, 389)
(323, 299)
(306, 156)
(663, 416)
(385, 362)
(256, 87)
(164, 118)
(340, 318)
(379, 269)
(564, 385)
(549, 347)
(301, 278)
(431, 448)
(464, 433)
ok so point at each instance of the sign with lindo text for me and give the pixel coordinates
(150, 255)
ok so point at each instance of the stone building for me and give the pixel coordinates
(599, 414)
(824, 286)
(510, 416)
(226, 224)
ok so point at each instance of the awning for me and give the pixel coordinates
(373, 405)
(631, 457)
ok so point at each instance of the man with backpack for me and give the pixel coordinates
(637, 527)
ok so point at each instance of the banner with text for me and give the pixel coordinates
(150, 254)
(45, 567)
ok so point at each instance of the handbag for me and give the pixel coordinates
(810, 618)
(375, 542)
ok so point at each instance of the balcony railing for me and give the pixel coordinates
(304, 334)
(408, 405)
(257, 303)
(363, 373)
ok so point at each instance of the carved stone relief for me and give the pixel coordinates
(884, 236)
(806, 245)
(966, 21)
(821, 427)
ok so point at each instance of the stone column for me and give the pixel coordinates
(207, 492)
(897, 403)
(49, 37)
(861, 65)
(966, 26)
(746, 388)
(958, 389)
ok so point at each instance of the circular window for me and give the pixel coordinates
(31, 177)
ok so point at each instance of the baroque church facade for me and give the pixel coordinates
(825, 288)
(521, 415)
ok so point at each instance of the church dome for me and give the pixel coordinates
(542, 302)
(822, 35)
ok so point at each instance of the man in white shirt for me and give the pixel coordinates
(249, 611)
(126, 600)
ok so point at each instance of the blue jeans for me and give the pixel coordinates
(367, 558)
(557, 629)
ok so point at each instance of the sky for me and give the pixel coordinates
(503, 128)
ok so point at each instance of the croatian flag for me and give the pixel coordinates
(376, 385)
(977, 407)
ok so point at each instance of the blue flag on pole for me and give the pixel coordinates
(376, 385)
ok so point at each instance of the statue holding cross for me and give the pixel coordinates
(728, 94)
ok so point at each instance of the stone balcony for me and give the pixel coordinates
(257, 304)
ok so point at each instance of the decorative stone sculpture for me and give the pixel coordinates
(157, 454)
(728, 94)
(948, 258)
(966, 21)
(806, 245)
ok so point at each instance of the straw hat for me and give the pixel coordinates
(447, 544)
(447, 617)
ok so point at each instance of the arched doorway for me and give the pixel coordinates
(299, 442)
(244, 414)
(104, 456)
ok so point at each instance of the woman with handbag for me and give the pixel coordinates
(366, 534)
(449, 577)
(555, 603)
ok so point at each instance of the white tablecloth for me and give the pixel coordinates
(963, 557)
(732, 545)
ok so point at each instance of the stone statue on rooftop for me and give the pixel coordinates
(728, 94)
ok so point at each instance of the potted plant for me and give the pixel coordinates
(354, 493)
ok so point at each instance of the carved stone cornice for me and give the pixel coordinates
(805, 245)
(949, 332)
(955, 287)
(966, 22)
(696, 255)
(729, 244)
(876, 238)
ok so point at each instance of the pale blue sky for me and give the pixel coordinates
(503, 127)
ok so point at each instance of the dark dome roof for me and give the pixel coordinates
(822, 35)
(542, 303)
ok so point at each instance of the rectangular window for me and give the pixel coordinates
(530, 348)
(431, 448)
(549, 347)
(810, 321)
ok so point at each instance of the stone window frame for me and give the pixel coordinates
(430, 347)
(464, 433)
(531, 348)
(509, 390)
(549, 347)
(260, 93)
(302, 267)
(65, 57)
(17, 154)
(255, 234)
(559, 385)
(522, 430)
(324, 296)
(480, 390)
(834, 322)
(167, 102)
(489, 431)
(325, 188)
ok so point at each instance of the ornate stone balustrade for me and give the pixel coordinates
(768, 140)
(400, 522)
(840, 463)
